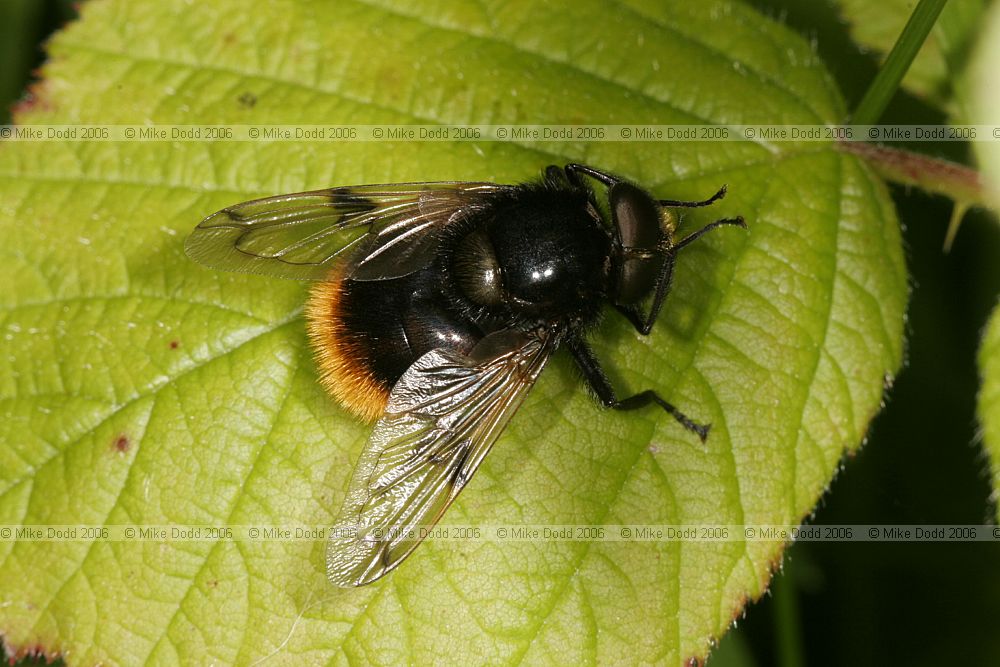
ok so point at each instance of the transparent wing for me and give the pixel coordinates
(300, 235)
(443, 416)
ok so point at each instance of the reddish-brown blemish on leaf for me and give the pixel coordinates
(122, 443)
(174, 344)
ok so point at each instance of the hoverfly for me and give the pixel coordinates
(437, 306)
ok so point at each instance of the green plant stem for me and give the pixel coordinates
(877, 97)
(962, 184)
(942, 177)
(786, 621)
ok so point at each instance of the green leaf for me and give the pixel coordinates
(984, 98)
(986, 109)
(943, 57)
(989, 394)
(140, 388)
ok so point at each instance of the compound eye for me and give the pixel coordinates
(637, 220)
(637, 216)
(476, 269)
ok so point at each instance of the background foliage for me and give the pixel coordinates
(859, 604)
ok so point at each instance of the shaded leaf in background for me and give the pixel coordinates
(19, 21)
(22, 25)
(140, 388)
(922, 464)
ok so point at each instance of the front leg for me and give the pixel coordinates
(601, 386)
(644, 323)
(574, 171)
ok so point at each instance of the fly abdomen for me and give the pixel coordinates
(367, 333)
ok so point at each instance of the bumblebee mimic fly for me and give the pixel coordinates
(435, 309)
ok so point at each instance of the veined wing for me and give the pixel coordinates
(300, 235)
(443, 416)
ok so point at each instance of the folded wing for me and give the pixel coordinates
(393, 227)
(443, 416)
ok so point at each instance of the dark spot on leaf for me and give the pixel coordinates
(389, 77)
(174, 345)
(247, 100)
(693, 662)
(122, 443)
(212, 583)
